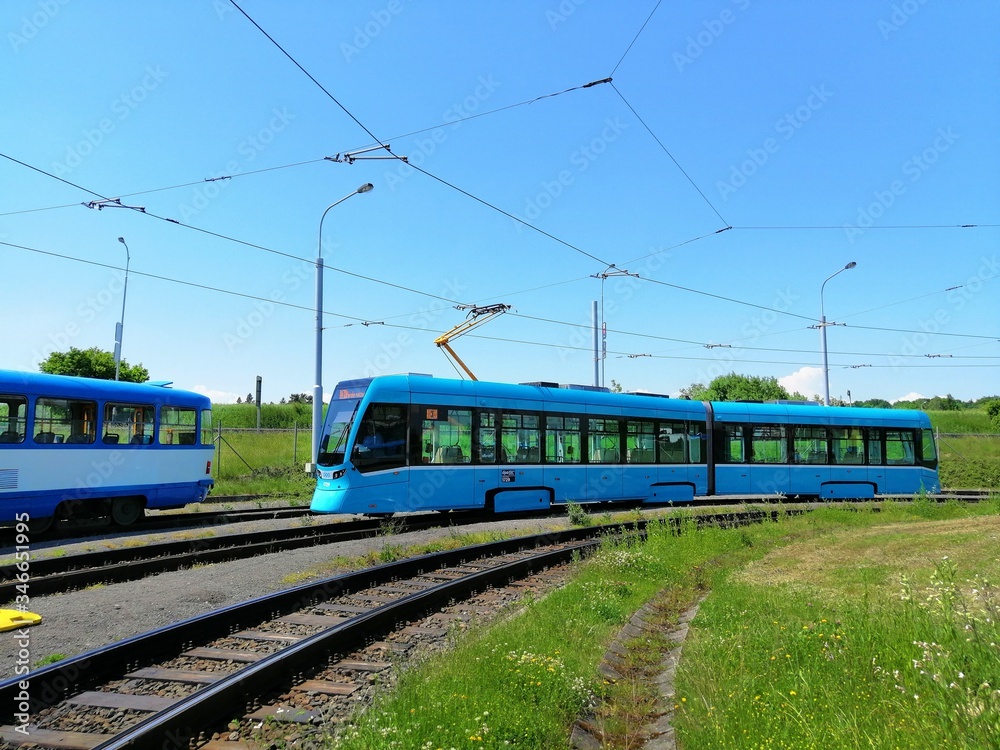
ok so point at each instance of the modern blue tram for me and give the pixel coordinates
(413, 442)
(80, 447)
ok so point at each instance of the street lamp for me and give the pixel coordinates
(120, 326)
(317, 418)
(822, 333)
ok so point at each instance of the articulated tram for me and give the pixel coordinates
(414, 442)
(84, 447)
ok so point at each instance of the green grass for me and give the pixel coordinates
(523, 682)
(975, 421)
(970, 462)
(818, 632)
(869, 635)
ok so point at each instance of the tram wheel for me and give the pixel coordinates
(125, 511)
(40, 525)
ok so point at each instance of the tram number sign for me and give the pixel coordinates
(507, 476)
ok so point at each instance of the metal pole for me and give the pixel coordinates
(822, 331)
(597, 356)
(317, 411)
(120, 328)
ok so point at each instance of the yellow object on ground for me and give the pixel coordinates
(11, 619)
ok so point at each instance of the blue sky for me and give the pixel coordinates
(742, 153)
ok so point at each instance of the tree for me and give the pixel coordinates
(993, 409)
(92, 363)
(733, 387)
(874, 403)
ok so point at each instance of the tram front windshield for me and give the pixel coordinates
(339, 417)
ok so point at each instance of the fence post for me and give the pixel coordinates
(295, 443)
(218, 458)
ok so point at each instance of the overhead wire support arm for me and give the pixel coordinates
(353, 156)
(476, 316)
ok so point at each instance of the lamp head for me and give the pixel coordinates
(366, 188)
(121, 240)
(850, 265)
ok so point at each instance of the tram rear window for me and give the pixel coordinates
(65, 420)
(13, 413)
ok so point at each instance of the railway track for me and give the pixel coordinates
(57, 574)
(303, 655)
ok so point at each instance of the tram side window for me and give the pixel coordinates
(848, 445)
(810, 445)
(562, 440)
(640, 442)
(604, 436)
(487, 434)
(207, 438)
(768, 444)
(899, 448)
(520, 438)
(671, 442)
(445, 435)
(381, 440)
(729, 448)
(874, 445)
(696, 439)
(65, 420)
(178, 425)
(928, 450)
(13, 415)
(130, 424)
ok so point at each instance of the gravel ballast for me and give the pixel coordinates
(80, 621)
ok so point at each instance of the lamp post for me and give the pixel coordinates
(822, 334)
(317, 418)
(120, 326)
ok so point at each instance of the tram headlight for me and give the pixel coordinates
(339, 474)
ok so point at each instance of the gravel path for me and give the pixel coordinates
(80, 621)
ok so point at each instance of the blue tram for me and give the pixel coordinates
(88, 448)
(414, 442)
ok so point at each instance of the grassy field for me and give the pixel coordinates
(838, 629)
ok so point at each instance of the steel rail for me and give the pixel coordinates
(56, 574)
(53, 683)
(186, 719)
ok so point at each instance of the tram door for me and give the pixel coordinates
(445, 476)
(604, 450)
(732, 468)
